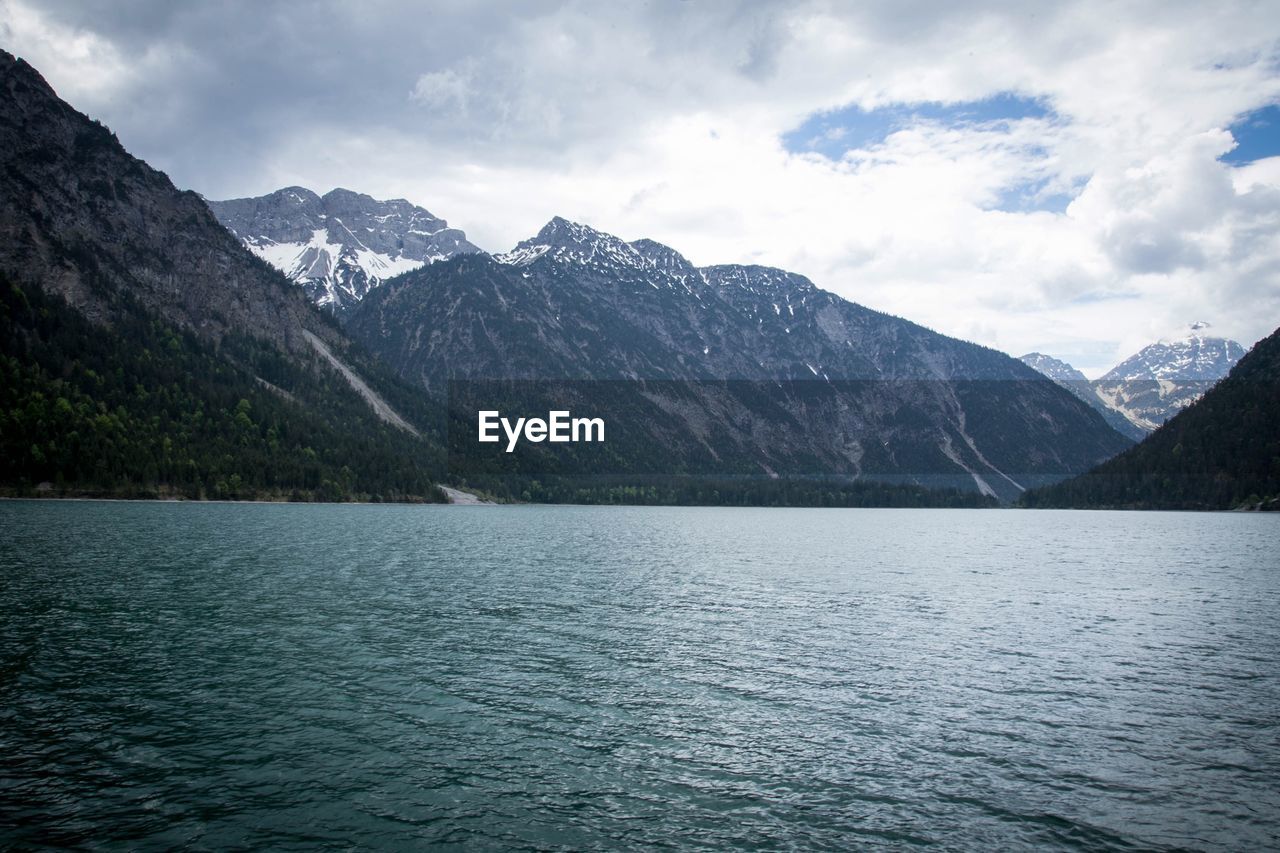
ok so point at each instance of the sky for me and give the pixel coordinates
(1076, 178)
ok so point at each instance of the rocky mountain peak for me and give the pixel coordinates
(666, 259)
(1193, 357)
(1054, 368)
(87, 221)
(561, 232)
(340, 245)
(338, 195)
(1153, 384)
(300, 196)
(565, 242)
(19, 70)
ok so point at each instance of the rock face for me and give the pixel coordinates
(1195, 357)
(1151, 386)
(576, 303)
(1074, 381)
(1164, 378)
(340, 245)
(82, 218)
(1055, 369)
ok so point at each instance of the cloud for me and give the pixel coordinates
(92, 68)
(1030, 177)
(443, 90)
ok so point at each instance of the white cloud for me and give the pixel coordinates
(665, 120)
(86, 68)
(442, 89)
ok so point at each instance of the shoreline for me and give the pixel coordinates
(486, 503)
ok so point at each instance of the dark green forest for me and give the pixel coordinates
(1223, 452)
(139, 408)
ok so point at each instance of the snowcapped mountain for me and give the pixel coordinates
(763, 369)
(1219, 453)
(1055, 369)
(571, 243)
(1193, 357)
(1151, 385)
(1164, 378)
(341, 245)
(580, 248)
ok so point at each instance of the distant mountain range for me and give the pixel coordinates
(896, 400)
(1221, 452)
(149, 350)
(341, 245)
(1151, 386)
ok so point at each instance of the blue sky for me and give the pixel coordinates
(1257, 135)
(849, 129)
(831, 133)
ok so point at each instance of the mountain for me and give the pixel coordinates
(1074, 381)
(815, 383)
(1055, 369)
(1221, 452)
(1163, 378)
(145, 351)
(1193, 357)
(341, 245)
(1151, 386)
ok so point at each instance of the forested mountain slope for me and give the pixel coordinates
(147, 352)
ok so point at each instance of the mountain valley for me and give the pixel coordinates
(1151, 386)
(306, 346)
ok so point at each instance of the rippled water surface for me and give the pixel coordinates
(540, 677)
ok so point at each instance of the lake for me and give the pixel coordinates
(286, 676)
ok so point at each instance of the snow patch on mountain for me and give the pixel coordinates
(1153, 384)
(573, 246)
(341, 245)
(1193, 357)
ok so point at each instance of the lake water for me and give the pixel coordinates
(540, 677)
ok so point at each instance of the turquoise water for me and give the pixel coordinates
(539, 677)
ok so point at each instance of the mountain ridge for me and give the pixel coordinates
(340, 245)
(180, 261)
(574, 303)
(1152, 385)
(146, 351)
